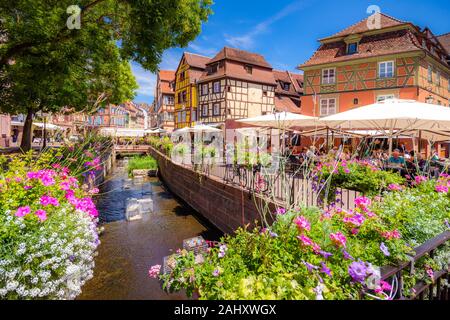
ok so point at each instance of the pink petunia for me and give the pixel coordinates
(302, 224)
(338, 239)
(23, 211)
(41, 214)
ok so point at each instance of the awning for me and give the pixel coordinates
(48, 126)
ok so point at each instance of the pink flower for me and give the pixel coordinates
(338, 239)
(302, 224)
(281, 211)
(22, 211)
(154, 271)
(441, 189)
(27, 187)
(41, 214)
(305, 240)
(65, 185)
(47, 200)
(420, 179)
(385, 286)
(389, 235)
(394, 187)
(94, 191)
(363, 202)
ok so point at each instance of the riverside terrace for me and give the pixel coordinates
(222, 203)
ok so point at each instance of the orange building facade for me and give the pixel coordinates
(360, 66)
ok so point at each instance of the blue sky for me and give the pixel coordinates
(286, 31)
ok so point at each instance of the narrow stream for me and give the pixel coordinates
(129, 249)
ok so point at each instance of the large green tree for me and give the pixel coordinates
(46, 64)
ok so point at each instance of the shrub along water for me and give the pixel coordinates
(141, 162)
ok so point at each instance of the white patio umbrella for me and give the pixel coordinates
(391, 115)
(282, 120)
(198, 128)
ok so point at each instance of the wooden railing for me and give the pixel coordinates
(436, 290)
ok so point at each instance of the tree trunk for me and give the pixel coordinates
(25, 145)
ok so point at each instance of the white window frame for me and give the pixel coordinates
(214, 109)
(430, 74)
(205, 86)
(328, 79)
(384, 97)
(218, 88)
(327, 100)
(205, 107)
(386, 75)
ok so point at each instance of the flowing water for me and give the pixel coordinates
(129, 249)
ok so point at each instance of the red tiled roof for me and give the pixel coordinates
(295, 80)
(167, 75)
(195, 60)
(444, 39)
(362, 26)
(287, 104)
(236, 70)
(242, 56)
(370, 46)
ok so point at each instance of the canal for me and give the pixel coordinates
(129, 249)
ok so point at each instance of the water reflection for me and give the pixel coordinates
(128, 249)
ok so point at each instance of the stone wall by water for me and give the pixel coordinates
(226, 206)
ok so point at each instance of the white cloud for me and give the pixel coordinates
(247, 40)
(202, 50)
(145, 79)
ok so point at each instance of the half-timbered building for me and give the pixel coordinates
(165, 100)
(189, 71)
(236, 84)
(362, 64)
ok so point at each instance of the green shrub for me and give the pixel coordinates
(141, 162)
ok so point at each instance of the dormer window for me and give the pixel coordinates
(352, 48)
(424, 43)
(286, 86)
(212, 69)
(248, 69)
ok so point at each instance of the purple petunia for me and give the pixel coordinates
(384, 249)
(325, 254)
(309, 266)
(358, 271)
(347, 255)
(325, 269)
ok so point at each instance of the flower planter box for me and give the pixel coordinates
(197, 245)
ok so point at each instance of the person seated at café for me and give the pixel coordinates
(395, 160)
(434, 156)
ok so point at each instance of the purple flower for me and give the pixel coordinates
(446, 223)
(325, 254)
(384, 249)
(273, 234)
(281, 211)
(325, 269)
(347, 255)
(358, 271)
(216, 272)
(27, 187)
(309, 266)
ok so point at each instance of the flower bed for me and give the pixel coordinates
(48, 233)
(313, 254)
